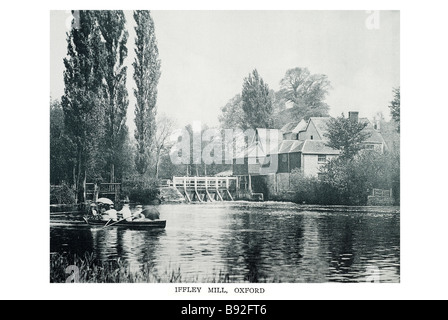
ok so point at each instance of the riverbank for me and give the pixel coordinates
(88, 269)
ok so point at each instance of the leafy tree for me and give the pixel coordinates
(346, 135)
(146, 75)
(114, 36)
(257, 104)
(81, 100)
(306, 92)
(395, 107)
(62, 149)
(354, 179)
(165, 127)
(232, 114)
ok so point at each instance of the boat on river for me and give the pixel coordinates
(140, 224)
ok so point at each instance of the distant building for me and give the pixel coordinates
(301, 146)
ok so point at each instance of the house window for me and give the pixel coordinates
(312, 137)
(321, 158)
(370, 147)
(284, 158)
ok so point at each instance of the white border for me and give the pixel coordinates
(24, 131)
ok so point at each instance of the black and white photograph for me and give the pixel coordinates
(225, 147)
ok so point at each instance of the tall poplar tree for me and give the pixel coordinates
(257, 104)
(146, 75)
(80, 102)
(114, 36)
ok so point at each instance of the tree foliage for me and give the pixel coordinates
(306, 92)
(146, 75)
(256, 102)
(232, 114)
(346, 135)
(352, 180)
(395, 107)
(114, 36)
(62, 148)
(81, 99)
(165, 127)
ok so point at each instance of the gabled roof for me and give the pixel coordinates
(320, 123)
(285, 146)
(294, 127)
(317, 147)
(375, 136)
(290, 146)
(296, 146)
(301, 126)
(288, 127)
(265, 141)
(253, 151)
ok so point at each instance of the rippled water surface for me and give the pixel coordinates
(251, 242)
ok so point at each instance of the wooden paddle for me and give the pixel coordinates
(109, 225)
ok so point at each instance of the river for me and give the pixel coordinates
(252, 242)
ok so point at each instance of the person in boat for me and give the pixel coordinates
(93, 209)
(126, 212)
(138, 215)
(94, 212)
(108, 212)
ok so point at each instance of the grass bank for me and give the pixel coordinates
(90, 270)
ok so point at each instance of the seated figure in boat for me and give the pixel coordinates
(138, 215)
(108, 212)
(93, 212)
(112, 214)
(126, 212)
(149, 213)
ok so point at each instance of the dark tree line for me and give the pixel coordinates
(89, 137)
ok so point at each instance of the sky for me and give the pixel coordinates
(205, 56)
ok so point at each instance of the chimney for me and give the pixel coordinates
(353, 115)
(378, 125)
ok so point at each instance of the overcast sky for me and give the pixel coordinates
(206, 55)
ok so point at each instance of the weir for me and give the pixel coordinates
(202, 189)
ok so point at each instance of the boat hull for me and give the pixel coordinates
(149, 224)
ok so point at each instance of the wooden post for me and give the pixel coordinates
(275, 183)
(250, 184)
(96, 191)
(185, 190)
(230, 195)
(217, 190)
(237, 186)
(196, 188)
(206, 190)
(84, 186)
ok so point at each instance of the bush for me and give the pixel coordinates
(304, 187)
(352, 179)
(311, 190)
(141, 189)
(62, 194)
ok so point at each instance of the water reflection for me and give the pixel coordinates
(253, 242)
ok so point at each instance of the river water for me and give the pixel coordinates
(251, 242)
